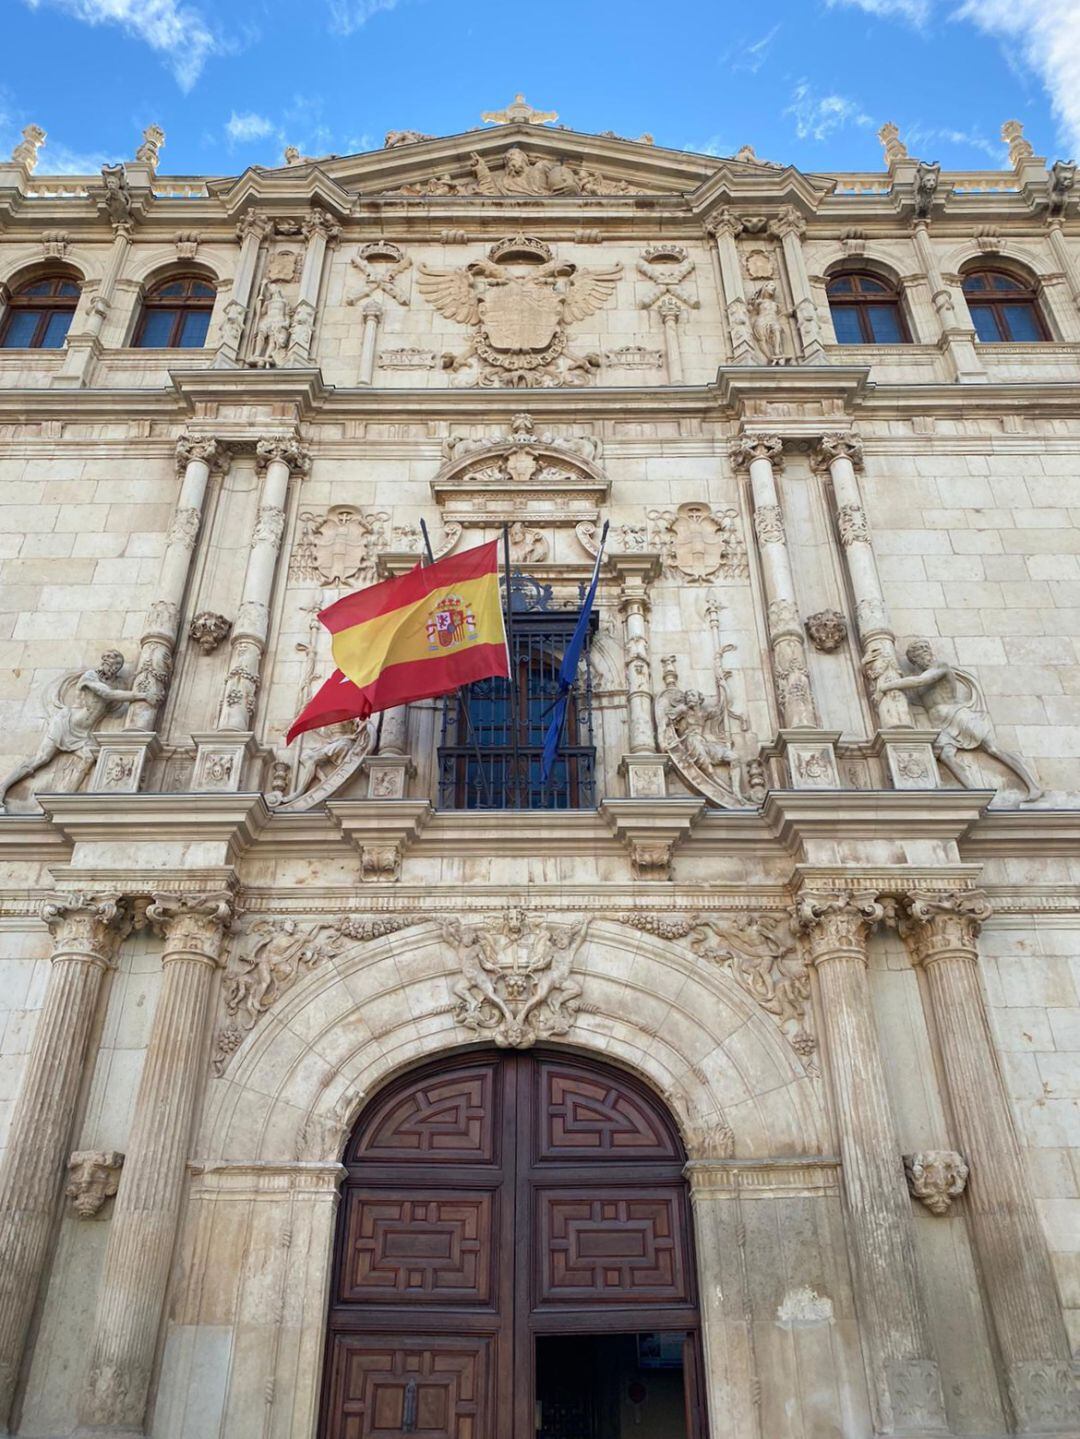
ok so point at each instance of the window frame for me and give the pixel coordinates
(860, 304)
(19, 302)
(1026, 294)
(181, 306)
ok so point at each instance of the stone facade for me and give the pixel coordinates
(828, 903)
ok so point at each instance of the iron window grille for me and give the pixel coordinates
(481, 767)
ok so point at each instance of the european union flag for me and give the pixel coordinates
(568, 668)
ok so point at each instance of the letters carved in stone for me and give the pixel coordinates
(516, 983)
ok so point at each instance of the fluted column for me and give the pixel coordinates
(277, 460)
(906, 1386)
(372, 314)
(957, 335)
(85, 934)
(941, 930)
(761, 454)
(1066, 263)
(320, 230)
(790, 227)
(83, 345)
(725, 228)
(671, 315)
(251, 232)
(142, 1235)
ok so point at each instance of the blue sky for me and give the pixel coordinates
(804, 81)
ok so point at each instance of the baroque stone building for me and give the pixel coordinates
(342, 1083)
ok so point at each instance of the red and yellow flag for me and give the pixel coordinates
(412, 638)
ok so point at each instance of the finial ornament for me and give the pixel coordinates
(519, 113)
(891, 143)
(1012, 132)
(25, 152)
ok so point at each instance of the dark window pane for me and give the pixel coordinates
(195, 326)
(20, 329)
(68, 287)
(974, 283)
(42, 287)
(846, 324)
(156, 328)
(1005, 282)
(985, 322)
(885, 324)
(169, 292)
(841, 285)
(871, 287)
(56, 330)
(202, 290)
(1021, 322)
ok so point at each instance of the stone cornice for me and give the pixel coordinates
(233, 821)
(797, 818)
(1033, 833)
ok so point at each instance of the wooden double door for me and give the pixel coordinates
(490, 1201)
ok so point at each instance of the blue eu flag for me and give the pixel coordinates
(568, 668)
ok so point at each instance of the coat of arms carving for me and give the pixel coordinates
(339, 547)
(519, 303)
(699, 543)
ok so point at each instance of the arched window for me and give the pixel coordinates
(865, 310)
(176, 314)
(39, 314)
(1002, 307)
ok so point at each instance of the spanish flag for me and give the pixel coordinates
(412, 638)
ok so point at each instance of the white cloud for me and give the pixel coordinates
(177, 31)
(244, 128)
(919, 137)
(916, 12)
(714, 145)
(817, 116)
(1047, 33)
(347, 16)
(752, 57)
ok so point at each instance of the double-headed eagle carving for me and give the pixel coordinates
(518, 303)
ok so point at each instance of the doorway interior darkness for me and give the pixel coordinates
(514, 1259)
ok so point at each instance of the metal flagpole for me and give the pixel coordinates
(462, 695)
(515, 742)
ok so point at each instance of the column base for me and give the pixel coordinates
(810, 756)
(644, 775)
(122, 759)
(388, 775)
(219, 763)
(909, 757)
(914, 1387)
(1045, 1396)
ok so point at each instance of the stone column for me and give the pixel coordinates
(724, 228)
(319, 230)
(790, 227)
(84, 346)
(906, 1390)
(1066, 262)
(670, 312)
(251, 232)
(137, 742)
(957, 335)
(642, 763)
(221, 753)
(909, 751)
(941, 930)
(85, 931)
(142, 1234)
(372, 314)
(389, 770)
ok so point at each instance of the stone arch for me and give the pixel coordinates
(295, 1087)
(158, 262)
(22, 269)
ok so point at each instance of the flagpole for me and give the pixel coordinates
(462, 696)
(515, 742)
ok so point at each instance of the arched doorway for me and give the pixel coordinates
(514, 1259)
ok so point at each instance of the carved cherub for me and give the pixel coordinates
(956, 707)
(699, 727)
(71, 726)
(558, 945)
(478, 958)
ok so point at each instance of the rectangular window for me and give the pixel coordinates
(846, 325)
(1021, 322)
(20, 330)
(56, 330)
(985, 322)
(481, 766)
(157, 326)
(885, 324)
(193, 334)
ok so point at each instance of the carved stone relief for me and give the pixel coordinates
(827, 630)
(937, 1177)
(407, 358)
(208, 630)
(697, 734)
(516, 983)
(767, 326)
(93, 1177)
(338, 548)
(381, 266)
(518, 303)
(527, 546)
(521, 174)
(667, 267)
(324, 770)
(633, 357)
(700, 544)
(622, 539)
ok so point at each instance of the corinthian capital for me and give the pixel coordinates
(85, 926)
(318, 222)
(838, 444)
(193, 925)
(836, 924)
(253, 223)
(936, 925)
(724, 222)
(287, 449)
(788, 222)
(757, 447)
(211, 452)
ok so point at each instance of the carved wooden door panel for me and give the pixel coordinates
(490, 1200)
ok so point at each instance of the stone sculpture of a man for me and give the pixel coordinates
(956, 708)
(71, 727)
